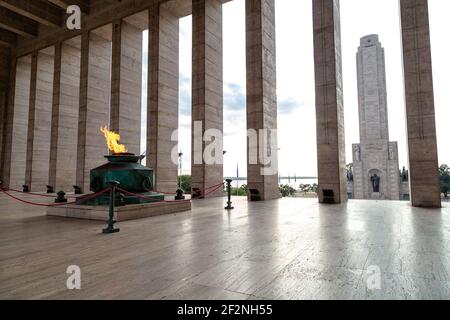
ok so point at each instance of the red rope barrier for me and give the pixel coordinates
(217, 187)
(211, 189)
(40, 194)
(32, 193)
(148, 198)
(89, 197)
(54, 204)
(174, 193)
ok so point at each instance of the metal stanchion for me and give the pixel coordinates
(61, 197)
(180, 195)
(229, 203)
(112, 195)
(77, 190)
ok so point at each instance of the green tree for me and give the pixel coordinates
(444, 177)
(240, 192)
(444, 170)
(186, 181)
(305, 188)
(287, 190)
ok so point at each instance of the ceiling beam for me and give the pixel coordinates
(63, 4)
(8, 38)
(37, 10)
(13, 22)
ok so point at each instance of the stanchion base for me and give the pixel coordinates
(229, 208)
(110, 230)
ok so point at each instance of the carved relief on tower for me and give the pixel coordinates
(356, 153)
(393, 151)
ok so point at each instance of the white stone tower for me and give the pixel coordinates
(375, 158)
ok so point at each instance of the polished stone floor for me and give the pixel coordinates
(285, 249)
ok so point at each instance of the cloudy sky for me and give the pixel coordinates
(295, 79)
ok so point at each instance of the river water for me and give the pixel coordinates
(292, 182)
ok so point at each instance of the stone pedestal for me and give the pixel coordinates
(125, 213)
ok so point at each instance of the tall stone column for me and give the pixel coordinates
(82, 114)
(207, 92)
(66, 89)
(162, 115)
(6, 58)
(39, 120)
(329, 101)
(5, 62)
(420, 114)
(261, 97)
(55, 115)
(31, 120)
(126, 84)
(16, 123)
(95, 91)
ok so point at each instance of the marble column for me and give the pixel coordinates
(126, 84)
(162, 115)
(420, 113)
(329, 101)
(207, 92)
(261, 96)
(95, 91)
(17, 123)
(3, 111)
(66, 89)
(55, 115)
(5, 72)
(39, 120)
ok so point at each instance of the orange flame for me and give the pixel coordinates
(112, 140)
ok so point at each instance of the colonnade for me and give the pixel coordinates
(59, 97)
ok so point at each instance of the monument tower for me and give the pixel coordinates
(375, 158)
